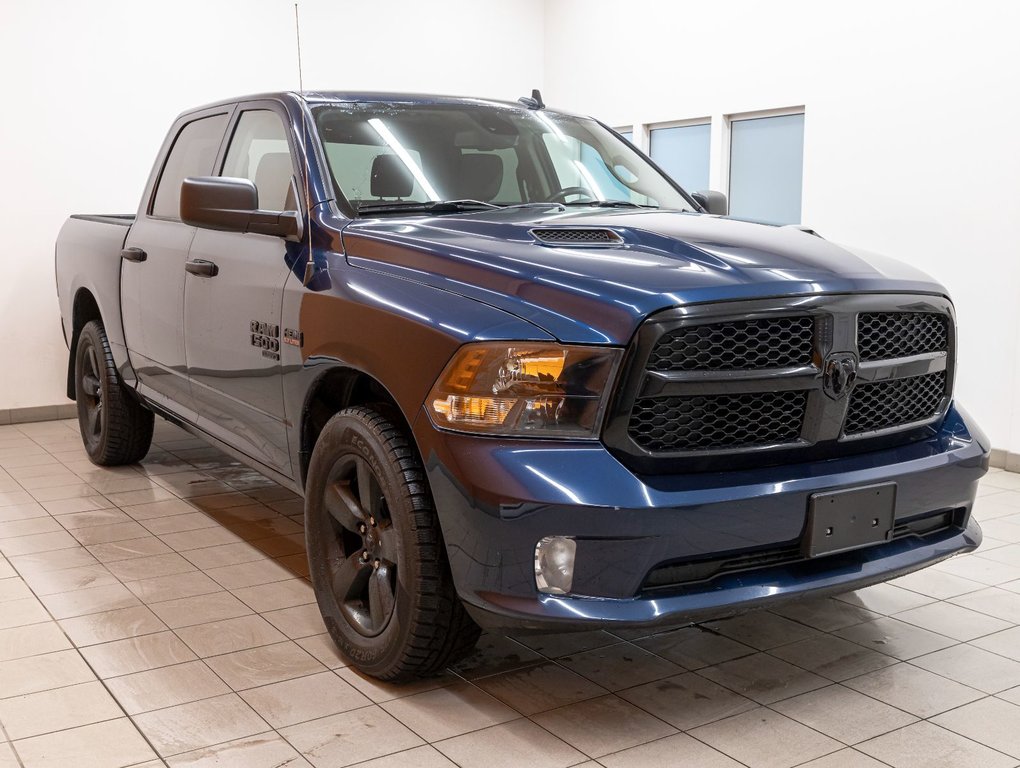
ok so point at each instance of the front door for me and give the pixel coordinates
(232, 317)
(152, 272)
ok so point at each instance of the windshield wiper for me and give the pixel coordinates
(431, 206)
(537, 204)
(608, 204)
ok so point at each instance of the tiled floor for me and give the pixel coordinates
(158, 615)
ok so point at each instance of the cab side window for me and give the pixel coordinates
(259, 152)
(193, 154)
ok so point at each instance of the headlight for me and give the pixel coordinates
(524, 389)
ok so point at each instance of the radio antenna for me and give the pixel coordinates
(297, 31)
(305, 146)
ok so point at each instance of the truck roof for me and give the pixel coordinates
(325, 97)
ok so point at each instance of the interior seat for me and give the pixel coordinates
(390, 177)
(481, 176)
(273, 177)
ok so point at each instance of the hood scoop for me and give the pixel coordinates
(585, 236)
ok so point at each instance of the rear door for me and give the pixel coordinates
(232, 320)
(152, 273)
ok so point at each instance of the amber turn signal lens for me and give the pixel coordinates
(523, 388)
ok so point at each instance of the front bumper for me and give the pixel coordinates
(497, 498)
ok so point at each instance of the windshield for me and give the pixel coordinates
(394, 157)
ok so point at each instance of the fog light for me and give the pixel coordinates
(554, 564)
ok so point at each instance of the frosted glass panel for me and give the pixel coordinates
(766, 168)
(682, 152)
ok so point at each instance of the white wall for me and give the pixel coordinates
(911, 119)
(90, 89)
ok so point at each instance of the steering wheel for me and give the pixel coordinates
(563, 194)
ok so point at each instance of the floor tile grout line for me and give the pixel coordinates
(9, 741)
(830, 682)
(806, 763)
(555, 660)
(624, 640)
(366, 706)
(103, 681)
(98, 677)
(942, 727)
(917, 720)
(756, 703)
(685, 733)
(614, 694)
(910, 662)
(898, 661)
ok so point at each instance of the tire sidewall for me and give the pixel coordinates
(350, 433)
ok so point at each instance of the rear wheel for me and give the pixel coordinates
(115, 428)
(376, 554)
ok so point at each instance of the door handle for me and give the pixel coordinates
(202, 268)
(133, 254)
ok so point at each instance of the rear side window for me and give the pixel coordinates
(259, 152)
(193, 154)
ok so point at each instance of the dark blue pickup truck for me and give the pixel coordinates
(521, 378)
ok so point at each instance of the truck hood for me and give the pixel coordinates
(600, 294)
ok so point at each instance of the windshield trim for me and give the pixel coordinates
(698, 208)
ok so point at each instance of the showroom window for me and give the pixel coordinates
(259, 152)
(193, 154)
(591, 173)
(766, 168)
(682, 151)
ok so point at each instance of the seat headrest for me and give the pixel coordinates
(390, 177)
(481, 176)
(272, 179)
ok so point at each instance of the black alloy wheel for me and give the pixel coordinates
(91, 394)
(375, 551)
(364, 549)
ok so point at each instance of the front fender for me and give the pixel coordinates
(400, 333)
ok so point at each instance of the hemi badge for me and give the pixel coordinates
(292, 337)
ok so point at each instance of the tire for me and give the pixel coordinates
(376, 553)
(115, 428)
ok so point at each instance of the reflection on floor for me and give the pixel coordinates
(159, 614)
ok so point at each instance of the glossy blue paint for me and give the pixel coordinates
(497, 498)
(599, 295)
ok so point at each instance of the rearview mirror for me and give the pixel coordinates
(232, 205)
(711, 201)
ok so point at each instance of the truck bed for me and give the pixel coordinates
(88, 265)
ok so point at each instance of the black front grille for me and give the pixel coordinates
(735, 385)
(895, 402)
(712, 422)
(886, 335)
(577, 236)
(775, 342)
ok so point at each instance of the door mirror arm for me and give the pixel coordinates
(285, 224)
(713, 202)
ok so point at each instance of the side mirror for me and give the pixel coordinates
(232, 205)
(711, 201)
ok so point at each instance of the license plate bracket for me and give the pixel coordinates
(838, 521)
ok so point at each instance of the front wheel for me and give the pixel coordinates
(376, 553)
(115, 428)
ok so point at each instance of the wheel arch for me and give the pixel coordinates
(334, 389)
(85, 308)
